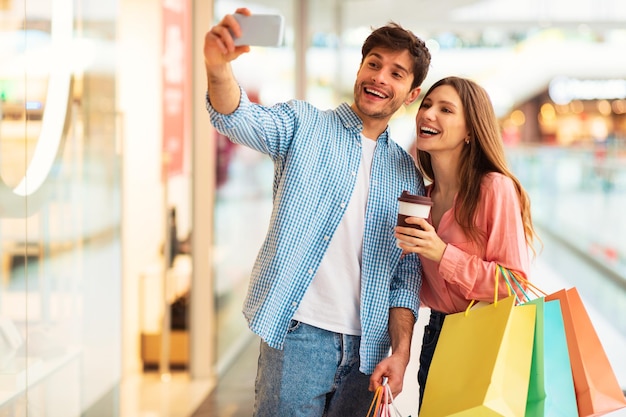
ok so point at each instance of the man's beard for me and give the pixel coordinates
(387, 109)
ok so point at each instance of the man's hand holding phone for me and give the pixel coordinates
(219, 42)
(225, 42)
(235, 33)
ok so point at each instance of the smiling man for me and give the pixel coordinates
(330, 293)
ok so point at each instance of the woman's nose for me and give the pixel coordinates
(427, 113)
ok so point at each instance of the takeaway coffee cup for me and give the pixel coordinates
(410, 205)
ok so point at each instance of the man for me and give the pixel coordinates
(330, 293)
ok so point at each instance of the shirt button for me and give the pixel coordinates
(326, 238)
(293, 303)
(343, 205)
(353, 174)
(310, 271)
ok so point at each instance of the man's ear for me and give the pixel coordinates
(413, 95)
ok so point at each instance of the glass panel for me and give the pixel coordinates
(60, 209)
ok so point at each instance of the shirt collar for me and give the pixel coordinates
(350, 120)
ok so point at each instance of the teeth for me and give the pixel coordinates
(429, 130)
(376, 93)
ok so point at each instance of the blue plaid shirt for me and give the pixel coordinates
(316, 157)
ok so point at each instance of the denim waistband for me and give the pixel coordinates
(436, 318)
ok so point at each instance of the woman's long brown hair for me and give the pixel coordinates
(483, 154)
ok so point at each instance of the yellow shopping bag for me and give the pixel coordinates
(481, 365)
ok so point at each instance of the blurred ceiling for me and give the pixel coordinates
(429, 15)
(540, 40)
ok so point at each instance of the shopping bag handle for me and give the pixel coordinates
(512, 277)
(383, 403)
(375, 402)
(392, 405)
(509, 278)
(495, 292)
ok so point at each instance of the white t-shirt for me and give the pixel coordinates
(332, 301)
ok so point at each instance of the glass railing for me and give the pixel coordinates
(577, 196)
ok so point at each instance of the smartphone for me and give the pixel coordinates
(260, 29)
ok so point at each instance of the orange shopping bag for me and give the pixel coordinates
(597, 389)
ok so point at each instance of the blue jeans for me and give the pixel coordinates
(316, 374)
(429, 342)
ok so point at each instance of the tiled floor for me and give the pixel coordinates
(149, 395)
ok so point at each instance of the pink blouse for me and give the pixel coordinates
(467, 270)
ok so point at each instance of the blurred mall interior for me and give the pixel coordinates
(128, 226)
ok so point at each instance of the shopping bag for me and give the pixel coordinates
(551, 387)
(481, 365)
(597, 389)
(383, 404)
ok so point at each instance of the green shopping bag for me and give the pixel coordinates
(481, 365)
(551, 387)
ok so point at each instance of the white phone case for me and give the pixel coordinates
(260, 29)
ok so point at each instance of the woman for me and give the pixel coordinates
(480, 215)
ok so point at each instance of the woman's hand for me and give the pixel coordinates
(424, 242)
